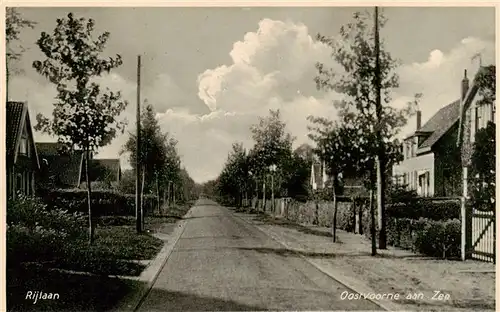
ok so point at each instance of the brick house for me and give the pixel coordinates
(21, 157)
(473, 117)
(431, 159)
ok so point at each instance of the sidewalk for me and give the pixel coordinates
(169, 233)
(463, 286)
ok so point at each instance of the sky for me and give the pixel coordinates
(211, 72)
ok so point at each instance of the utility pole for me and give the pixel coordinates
(381, 148)
(138, 202)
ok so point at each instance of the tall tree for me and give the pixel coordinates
(14, 23)
(273, 146)
(367, 70)
(84, 116)
(234, 176)
(158, 155)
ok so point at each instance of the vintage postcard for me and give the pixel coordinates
(250, 158)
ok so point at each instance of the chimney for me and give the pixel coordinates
(465, 85)
(419, 119)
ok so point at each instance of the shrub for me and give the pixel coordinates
(346, 218)
(429, 237)
(31, 213)
(25, 244)
(425, 208)
(105, 202)
(35, 233)
(400, 194)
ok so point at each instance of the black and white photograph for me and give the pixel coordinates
(249, 157)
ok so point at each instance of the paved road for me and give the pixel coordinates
(223, 263)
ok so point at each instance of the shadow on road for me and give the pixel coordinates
(164, 300)
(289, 224)
(285, 252)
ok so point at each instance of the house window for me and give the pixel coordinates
(23, 146)
(424, 184)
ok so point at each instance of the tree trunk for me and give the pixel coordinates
(334, 223)
(360, 216)
(89, 197)
(372, 226)
(157, 194)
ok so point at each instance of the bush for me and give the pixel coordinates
(105, 202)
(35, 233)
(346, 218)
(26, 244)
(31, 213)
(425, 208)
(429, 237)
(400, 194)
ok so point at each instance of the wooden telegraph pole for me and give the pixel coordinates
(138, 202)
(381, 148)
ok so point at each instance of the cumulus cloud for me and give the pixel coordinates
(439, 77)
(276, 61)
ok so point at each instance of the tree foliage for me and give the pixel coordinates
(486, 80)
(483, 160)
(14, 23)
(158, 156)
(483, 169)
(232, 182)
(358, 123)
(84, 116)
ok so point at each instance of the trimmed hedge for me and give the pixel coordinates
(429, 237)
(105, 202)
(428, 208)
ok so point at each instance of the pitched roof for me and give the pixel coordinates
(111, 164)
(13, 116)
(66, 167)
(17, 117)
(439, 124)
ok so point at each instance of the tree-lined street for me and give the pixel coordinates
(289, 177)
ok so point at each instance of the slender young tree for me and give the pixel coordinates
(84, 115)
(365, 74)
(158, 154)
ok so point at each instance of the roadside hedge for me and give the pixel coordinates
(425, 208)
(105, 202)
(429, 237)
